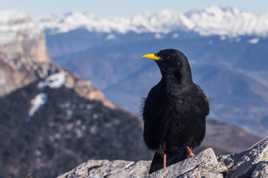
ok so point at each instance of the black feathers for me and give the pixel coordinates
(175, 109)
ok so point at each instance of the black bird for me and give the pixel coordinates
(174, 111)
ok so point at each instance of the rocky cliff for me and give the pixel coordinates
(252, 163)
(49, 126)
(23, 54)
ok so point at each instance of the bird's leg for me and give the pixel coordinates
(164, 156)
(162, 152)
(189, 151)
(165, 160)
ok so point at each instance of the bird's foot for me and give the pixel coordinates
(189, 151)
(165, 173)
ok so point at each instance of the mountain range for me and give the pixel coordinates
(227, 49)
(214, 20)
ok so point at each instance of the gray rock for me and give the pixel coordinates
(261, 170)
(197, 173)
(205, 164)
(23, 53)
(105, 168)
(241, 164)
(250, 163)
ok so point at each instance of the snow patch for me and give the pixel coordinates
(36, 103)
(222, 38)
(110, 37)
(253, 41)
(157, 36)
(9, 16)
(54, 81)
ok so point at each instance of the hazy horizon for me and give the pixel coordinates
(125, 8)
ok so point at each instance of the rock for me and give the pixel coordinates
(196, 173)
(252, 163)
(204, 164)
(241, 164)
(261, 170)
(21, 36)
(23, 52)
(105, 168)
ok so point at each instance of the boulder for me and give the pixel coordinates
(204, 164)
(241, 164)
(250, 163)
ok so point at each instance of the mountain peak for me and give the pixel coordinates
(223, 21)
(11, 15)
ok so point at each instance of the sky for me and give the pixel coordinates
(108, 8)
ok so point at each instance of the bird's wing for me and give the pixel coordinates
(152, 114)
(153, 104)
(203, 104)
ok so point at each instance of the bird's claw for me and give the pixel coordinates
(189, 152)
(165, 173)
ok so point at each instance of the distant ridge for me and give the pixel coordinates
(228, 22)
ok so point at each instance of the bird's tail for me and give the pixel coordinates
(173, 157)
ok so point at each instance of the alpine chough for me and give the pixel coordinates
(174, 111)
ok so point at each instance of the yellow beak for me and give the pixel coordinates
(151, 56)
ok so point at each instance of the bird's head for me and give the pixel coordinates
(171, 61)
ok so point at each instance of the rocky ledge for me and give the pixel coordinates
(250, 163)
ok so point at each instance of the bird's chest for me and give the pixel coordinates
(181, 104)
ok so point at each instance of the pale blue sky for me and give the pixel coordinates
(125, 7)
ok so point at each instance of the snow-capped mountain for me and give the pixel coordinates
(19, 35)
(23, 51)
(211, 21)
(226, 47)
(13, 23)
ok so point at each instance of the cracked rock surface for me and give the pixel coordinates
(250, 163)
(204, 164)
(242, 164)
